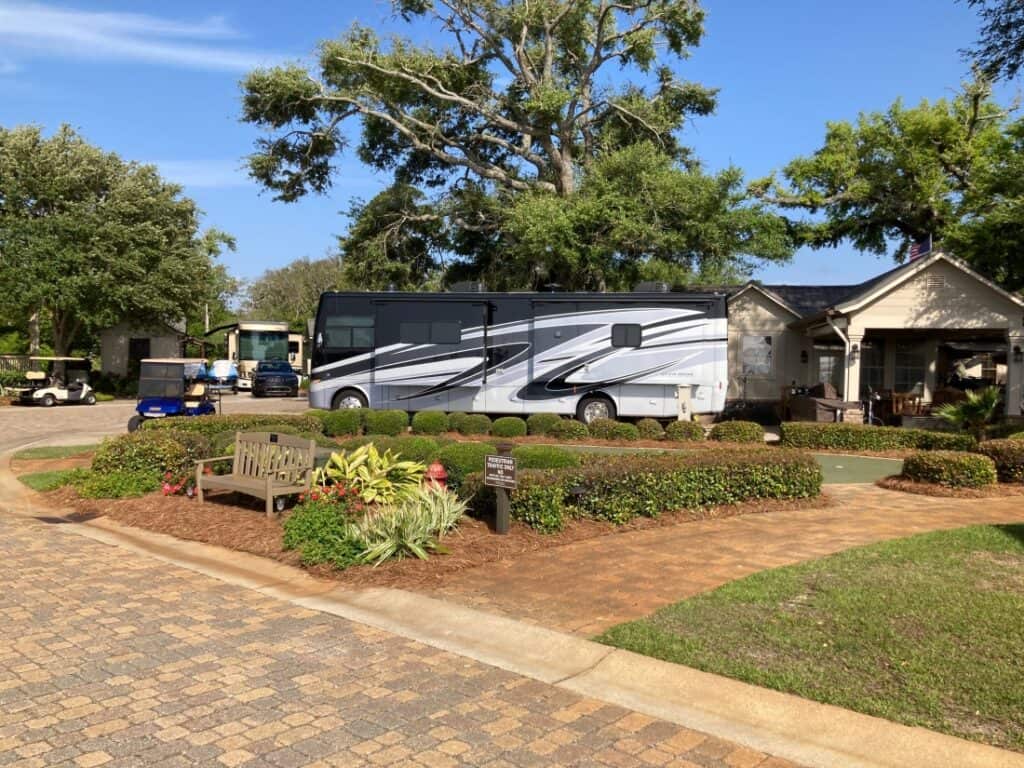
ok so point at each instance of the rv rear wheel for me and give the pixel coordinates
(348, 398)
(595, 407)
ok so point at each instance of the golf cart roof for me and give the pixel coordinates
(60, 359)
(174, 360)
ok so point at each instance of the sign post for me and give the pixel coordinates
(500, 473)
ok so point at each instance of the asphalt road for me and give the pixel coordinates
(82, 424)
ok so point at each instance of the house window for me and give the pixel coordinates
(831, 366)
(627, 335)
(908, 373)
(757, 355)
(872, 366)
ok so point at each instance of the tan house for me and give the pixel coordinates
(918, 334)
(124, 345)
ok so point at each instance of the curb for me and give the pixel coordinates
(780, 724)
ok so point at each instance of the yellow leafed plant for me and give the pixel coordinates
(378, 478)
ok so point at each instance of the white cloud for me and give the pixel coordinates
(38, 29)
(206, 174)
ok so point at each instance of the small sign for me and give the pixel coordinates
(500, 471)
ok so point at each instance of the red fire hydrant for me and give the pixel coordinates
(436, 475)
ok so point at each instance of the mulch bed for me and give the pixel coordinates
(1001, 490)
(235, 522)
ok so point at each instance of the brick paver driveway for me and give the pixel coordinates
(109, 658)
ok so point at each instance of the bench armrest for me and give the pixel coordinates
(215, 458)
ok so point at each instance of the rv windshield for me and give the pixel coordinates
(262, 345)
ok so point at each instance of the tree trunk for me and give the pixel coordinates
(33, 333)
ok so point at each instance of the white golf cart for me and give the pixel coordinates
(55, 380)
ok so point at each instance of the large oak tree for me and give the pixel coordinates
(88, 240)
(518, 103)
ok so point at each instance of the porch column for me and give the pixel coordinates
(1014, 373)
(931, 360)
(854, 355)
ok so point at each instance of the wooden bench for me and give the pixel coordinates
(265, 465)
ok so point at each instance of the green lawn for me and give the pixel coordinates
(49, 480)
(927, 631)
(54, 451)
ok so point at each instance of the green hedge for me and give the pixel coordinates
(508, 426)
(461, 459)
(344, 421)
(412, 447)
(569, 429)
(619, 488)
(1008, 456)
(430, 423)
(955, 469)
(862, 437)
(650, 429)
(385, 422)
(116, 484)
(544, 457)
(737, 432)
(242, 422)
(1016, 436)
(684, 431)
(541, 423)
(152, 452)
(474, 424)
(609, 429)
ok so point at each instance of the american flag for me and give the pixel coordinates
(920, 247)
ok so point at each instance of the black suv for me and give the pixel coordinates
(274, 377)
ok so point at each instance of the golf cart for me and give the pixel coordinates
(55, 380)
(172, 387)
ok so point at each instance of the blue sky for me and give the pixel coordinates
(158, 82)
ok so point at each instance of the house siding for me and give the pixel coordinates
(753, 313)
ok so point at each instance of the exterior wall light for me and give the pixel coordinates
(1018, 355)
(804, 356)
(854, 353)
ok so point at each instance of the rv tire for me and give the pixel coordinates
(348, 398)
(595, 407)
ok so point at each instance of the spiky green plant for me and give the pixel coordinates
(979, 409)
(413, 527)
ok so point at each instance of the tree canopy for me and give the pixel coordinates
(952, 169)
(999, 51)
(89, 239)
(291, 293)
(522, 103)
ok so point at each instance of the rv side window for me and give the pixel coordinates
(348, 332)
(445, 333)
(414, 333)
(429, 333)
(626, 335)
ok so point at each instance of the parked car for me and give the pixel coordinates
(274, 377)
(58, 380)
(222, 375)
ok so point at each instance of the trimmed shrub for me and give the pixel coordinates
(609, 429)
(151, 452)
(430, 423)
(474, 424)
(541, 423)
(118, 484)
(508, 426)
(684, 431)
(385, 422)
(650, 429)
(619, 488)
(224, 443)
(241, 422)
(460, 459)
(954, 469)
(319, 529)
(569, 429)
(344, 421)
(455, 420)
(414, 447)
(544, 457)
(737, 432)
(1016, 436)
(1008, 456)
(862, 437)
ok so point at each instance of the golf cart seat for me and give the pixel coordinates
(195, 393)
(35, 376)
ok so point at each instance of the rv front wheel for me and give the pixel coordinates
(349, 398)
(595, 407)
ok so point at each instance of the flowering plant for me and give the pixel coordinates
(173, 485)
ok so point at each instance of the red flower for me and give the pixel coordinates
(359, 506)
(168, 475)
(315, 496)
(341, 491)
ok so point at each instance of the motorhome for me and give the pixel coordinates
(589, 355)
(250, 342)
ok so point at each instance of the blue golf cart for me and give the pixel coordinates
(172, 388)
